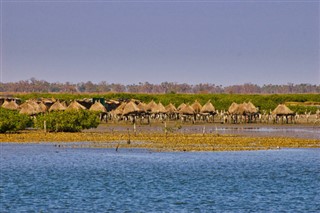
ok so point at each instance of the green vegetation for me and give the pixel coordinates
(12, 121)
(220, 101)
(67, 121)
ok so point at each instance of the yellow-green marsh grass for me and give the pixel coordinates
(162, 142)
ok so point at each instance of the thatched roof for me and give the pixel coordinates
(158, 108)
(119, 109)
(187, 110)
(181, 106)
(28, 109)
(98, 107)
(74, 105)
(130, 108)
(122, 105)
(10, 105)
(251, 108)
(31, 108)
(64, 104)
(142, 107)
(171, 108)
(282, 109)
(57, 106)
(208, 108)
(43, 107)
(233, 107)
(151, 105)
(241, 109)
(196, 106)
(238, 109)
(5, 103)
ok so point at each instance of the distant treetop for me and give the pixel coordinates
(34, 85)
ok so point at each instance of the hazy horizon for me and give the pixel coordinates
(127, 42)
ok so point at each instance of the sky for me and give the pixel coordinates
(218, 42)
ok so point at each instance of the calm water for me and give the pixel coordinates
(44, 178)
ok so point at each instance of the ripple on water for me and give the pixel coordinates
(38, 178)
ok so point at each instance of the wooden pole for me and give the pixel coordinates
(165, 129)
(128, 141)
(45, 126)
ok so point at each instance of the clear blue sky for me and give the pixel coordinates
(127, 42)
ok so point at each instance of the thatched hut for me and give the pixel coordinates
(151, 106)
(187, 110)
(208, 108)
(31, 107)
(159, 108)
(43, 107)
(64, 104)
(242, 109)
(196, 106)
(74, 105)
(12, 105)
(98, 107)
(251, 108)
(119, 110)
(283, 112)
(238, 112)
(282, 109)
(181, 106)
(28, 109)
(171, 111)
(233, 107)
(130, 108)
(57, 106)
(142, 107)
(170, 108)
(8, 99)
(187, 113)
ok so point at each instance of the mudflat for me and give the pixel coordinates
(306, 131)
(179, 137)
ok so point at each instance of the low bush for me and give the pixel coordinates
(12, 121)
(67, 121)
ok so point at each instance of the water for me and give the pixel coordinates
(45, 178)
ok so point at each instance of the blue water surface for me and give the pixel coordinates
(46, 178)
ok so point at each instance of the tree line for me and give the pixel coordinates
(42, 86)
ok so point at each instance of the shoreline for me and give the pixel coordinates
(155, 138)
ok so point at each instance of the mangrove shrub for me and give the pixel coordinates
(12, 121)
(67, 121)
